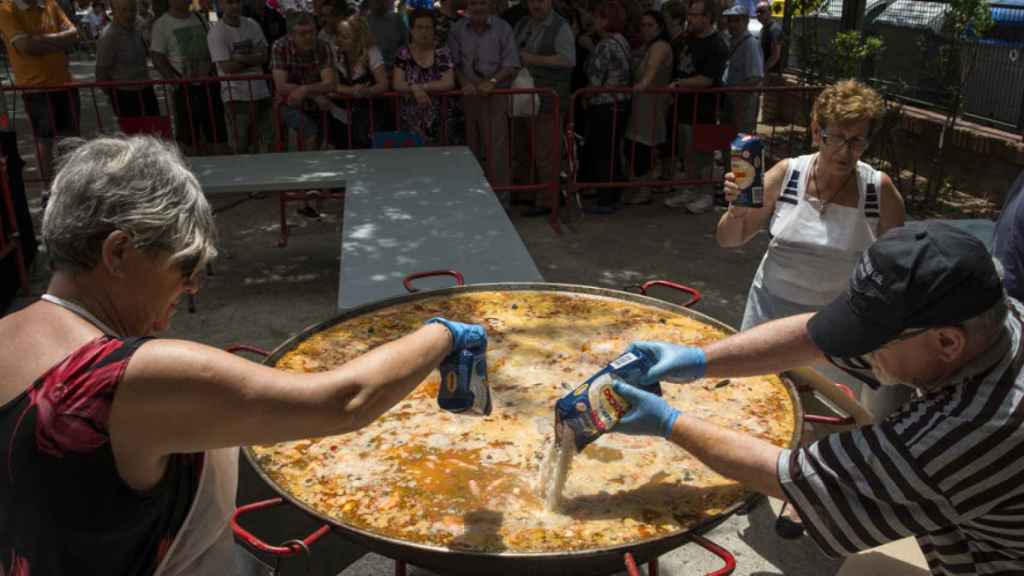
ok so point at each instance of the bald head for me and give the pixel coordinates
(125, 12)
(763, 11)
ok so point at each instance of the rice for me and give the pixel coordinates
(554, 470)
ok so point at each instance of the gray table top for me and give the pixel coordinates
(273, 172)
(417, 209)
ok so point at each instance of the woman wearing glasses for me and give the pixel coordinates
(822, 210)
(119, 450)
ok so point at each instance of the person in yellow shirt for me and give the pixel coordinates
(37, 33)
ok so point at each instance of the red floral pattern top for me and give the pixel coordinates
(64, 509)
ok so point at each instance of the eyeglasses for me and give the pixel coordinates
(855, 144)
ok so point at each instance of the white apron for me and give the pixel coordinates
(810, 259)
(205, 545)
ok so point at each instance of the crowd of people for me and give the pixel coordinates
(328, 61)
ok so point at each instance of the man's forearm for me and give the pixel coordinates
(694, 82)
(255, 59)
(554, 60)
(40, 45)
(64, 39)
(744, 458)
(163, 66)
(771, 347)
(320, 88)
(506, 75)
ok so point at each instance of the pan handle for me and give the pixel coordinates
(291, 548)
(725, 555)
(832, 420)
(652, 566)
(407, 281)
(694, 294)
(236, 348)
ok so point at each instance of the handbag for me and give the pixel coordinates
(524, 105)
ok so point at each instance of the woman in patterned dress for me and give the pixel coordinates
(421, 68)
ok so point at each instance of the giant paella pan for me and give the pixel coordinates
(458, 494)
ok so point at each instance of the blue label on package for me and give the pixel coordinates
(464, 388)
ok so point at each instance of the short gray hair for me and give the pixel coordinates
(989, 323)
(139, 185)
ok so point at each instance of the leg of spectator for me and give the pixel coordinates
(474, 115)
(264, 125)
(182, 119)
(544, 157)
(149, 101)
(216, 121)
(238, 117)
(498, 118)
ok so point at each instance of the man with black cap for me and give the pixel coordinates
(925, 307)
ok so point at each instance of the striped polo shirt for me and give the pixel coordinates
(947, 467)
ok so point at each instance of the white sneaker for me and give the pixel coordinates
(637, 196)
(681, 199)
(701, 205)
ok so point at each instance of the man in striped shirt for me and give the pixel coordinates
(925, 308)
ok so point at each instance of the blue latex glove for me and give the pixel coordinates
(648, 415)
(670, 361)
(463, 335)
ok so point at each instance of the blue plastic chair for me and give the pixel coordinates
(396, 140)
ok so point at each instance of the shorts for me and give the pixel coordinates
(306, 123)
(53, 113)
(136, 103)
(193, 105)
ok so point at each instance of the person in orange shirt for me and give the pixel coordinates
(37, 33)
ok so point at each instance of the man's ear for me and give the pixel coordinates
(951, 343)
(115, 250)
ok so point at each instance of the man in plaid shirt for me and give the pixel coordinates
(303, 77)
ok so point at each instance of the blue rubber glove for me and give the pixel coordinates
(670, 361)
(648, 415)
(463, 335)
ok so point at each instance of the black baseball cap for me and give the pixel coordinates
(922, 275)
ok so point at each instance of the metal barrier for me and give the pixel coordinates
(194, 112)
(786, 130)
(10, 238)
(506, 146)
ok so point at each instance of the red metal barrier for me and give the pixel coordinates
(200, 127)
(706, 137)
(10, 239)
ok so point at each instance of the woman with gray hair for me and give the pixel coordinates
(117, 449)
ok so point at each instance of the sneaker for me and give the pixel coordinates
(681, 199)
(637, 196)
(308, 212)
(700, 205)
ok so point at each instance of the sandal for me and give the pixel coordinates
(786, 527)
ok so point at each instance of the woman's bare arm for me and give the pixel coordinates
(181, 397)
